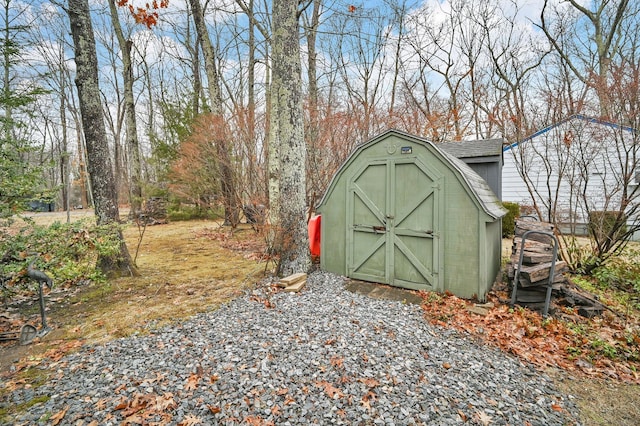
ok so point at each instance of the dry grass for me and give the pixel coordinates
(182, 272)
(185, 268)
(602, 402)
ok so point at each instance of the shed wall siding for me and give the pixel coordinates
(333, 231)
(493, 250)
(461, 239)
(490, 172)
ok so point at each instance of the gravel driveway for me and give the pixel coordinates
(322, 356)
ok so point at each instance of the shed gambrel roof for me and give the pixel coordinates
(475, 148)
(487, 200)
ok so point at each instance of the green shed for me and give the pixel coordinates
(400, 211)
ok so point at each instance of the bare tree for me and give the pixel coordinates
(514, 57)
(608, 26)
(442, 59)
(360, 54)
(132, 144)
(246, 48)
(227, 182)
(102, 179)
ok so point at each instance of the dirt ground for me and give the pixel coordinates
(191, 267)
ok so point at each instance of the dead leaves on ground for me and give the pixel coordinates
(251, 246)
(57, 417)
(257, 421)
(192, 382)
(61, 349)
(542, 342)
(143, 407)
(331, 391)
(482, 418)
(13, 380)
(190, 420)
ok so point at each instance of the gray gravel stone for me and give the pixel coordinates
(322, 356)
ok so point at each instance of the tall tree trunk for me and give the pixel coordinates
(286, 101)
(7, 59)
(312, 59)
(227, 184)
(251, 107)
(313, 127)
(86, 199)
(65, 157)
(132, 144)
(102, 181)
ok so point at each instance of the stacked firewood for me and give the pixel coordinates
(537, 260)
(155, 211)
(533, 279)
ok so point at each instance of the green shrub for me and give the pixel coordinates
(66, 252)
(620, 271)
(180, 212)
(509, 220)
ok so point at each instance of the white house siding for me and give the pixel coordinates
(572, 167)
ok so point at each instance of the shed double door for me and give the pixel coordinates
(394, 223)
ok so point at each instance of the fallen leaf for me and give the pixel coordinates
(214, 410)
(257, 421)
(337, 361)
(365, 403)
(275, 410)
(122, 404)
(370, 382)
(192, 382)
(446, 365)
(329, 389)
(57, 417)
(556, 407)
(101, 404)
(190, 420)
(483, 418)
(164, 402)
(367, 398)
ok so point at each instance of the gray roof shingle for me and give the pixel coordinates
(477, 148)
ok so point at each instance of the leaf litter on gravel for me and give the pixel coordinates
(606, 390)
(543, 342)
